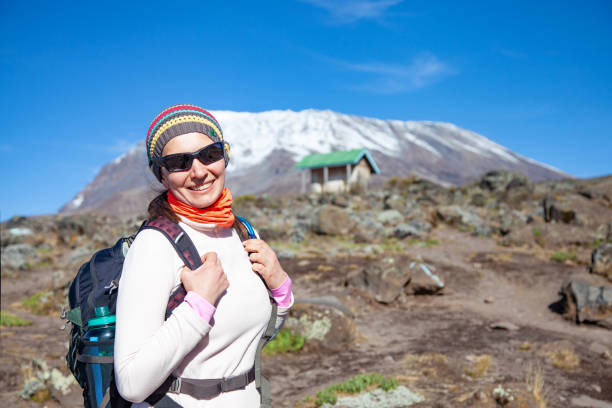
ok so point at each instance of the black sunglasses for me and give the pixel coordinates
(183, 161)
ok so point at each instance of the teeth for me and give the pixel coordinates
(202, 187)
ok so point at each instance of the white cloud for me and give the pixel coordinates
(423, 70)
(349, 11)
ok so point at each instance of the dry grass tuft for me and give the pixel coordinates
(563, 359)
(427, 358)
(526, 346)
(535, 384)
(480, 365)
(499, 257)
(325, 268)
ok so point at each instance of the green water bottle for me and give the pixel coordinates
(99, 345)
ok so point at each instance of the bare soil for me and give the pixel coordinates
(427, 342)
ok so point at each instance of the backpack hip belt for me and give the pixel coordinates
(209, 388)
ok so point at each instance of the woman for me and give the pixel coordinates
(214, 333)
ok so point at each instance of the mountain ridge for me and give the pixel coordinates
(264, 161)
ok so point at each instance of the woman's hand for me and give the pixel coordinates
(208, 281)
(264, 262)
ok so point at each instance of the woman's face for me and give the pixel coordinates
(201, 185)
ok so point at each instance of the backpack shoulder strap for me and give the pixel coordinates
(179, 239)
(244, 228)
(184, 247)
(246, 231)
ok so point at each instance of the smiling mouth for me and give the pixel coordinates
(203, 187)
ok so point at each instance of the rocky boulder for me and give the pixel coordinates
(555, 210)
(383, 279)
(389, 217)
(423, 280)
(18, 256)
(502, 180)
(601, 261)
(324, 326)
(414, 228)
(585, 303)
(331, 220)
(460, 217)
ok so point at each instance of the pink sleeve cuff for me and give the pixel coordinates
(282, 294)
(200, 305)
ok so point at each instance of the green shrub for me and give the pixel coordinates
(426, 243)
(39, 303)
(391, 244)
(355, 385)
(247, 198)
(563, 256)
(9, 320)
(285, 342)
(595, 243)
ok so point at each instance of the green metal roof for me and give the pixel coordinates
(317, 160)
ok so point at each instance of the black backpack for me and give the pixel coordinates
(96, 285)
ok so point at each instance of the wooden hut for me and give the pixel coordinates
(337, 171)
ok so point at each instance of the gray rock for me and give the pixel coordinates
(325, 327)
(285, 254)
(372, 250)
(331, 220)
(598, 348)
(296, 236)
(367, 232)
(340, 200)
(503, 180)
(389, 217)
(554, 210)
(588, 402)
(18, 255)
(402, 231)
(80, 254)
(511, 220)
(504, 326)
(20, 231)
(583, 302)
(459, 217)
(423, 280)
(603, 232)
(299, 230)
(478, 200)
(483, 230)
(395, 202)
(384, 279)
(416, 228)
(601, 261)
(397, 398)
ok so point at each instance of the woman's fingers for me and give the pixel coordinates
(257, 267)
(254, 245)
(257, 257)
(208, 280)
(210, 257)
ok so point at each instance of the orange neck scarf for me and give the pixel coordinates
(220, 213)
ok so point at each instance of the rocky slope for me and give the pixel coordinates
(265, 147)
(501, 247)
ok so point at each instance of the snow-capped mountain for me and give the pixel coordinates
(265, 147)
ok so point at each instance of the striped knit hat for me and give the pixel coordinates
(178, 120)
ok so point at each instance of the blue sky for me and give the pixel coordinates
(81, 81)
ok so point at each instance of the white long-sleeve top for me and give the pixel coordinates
(148, 348)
